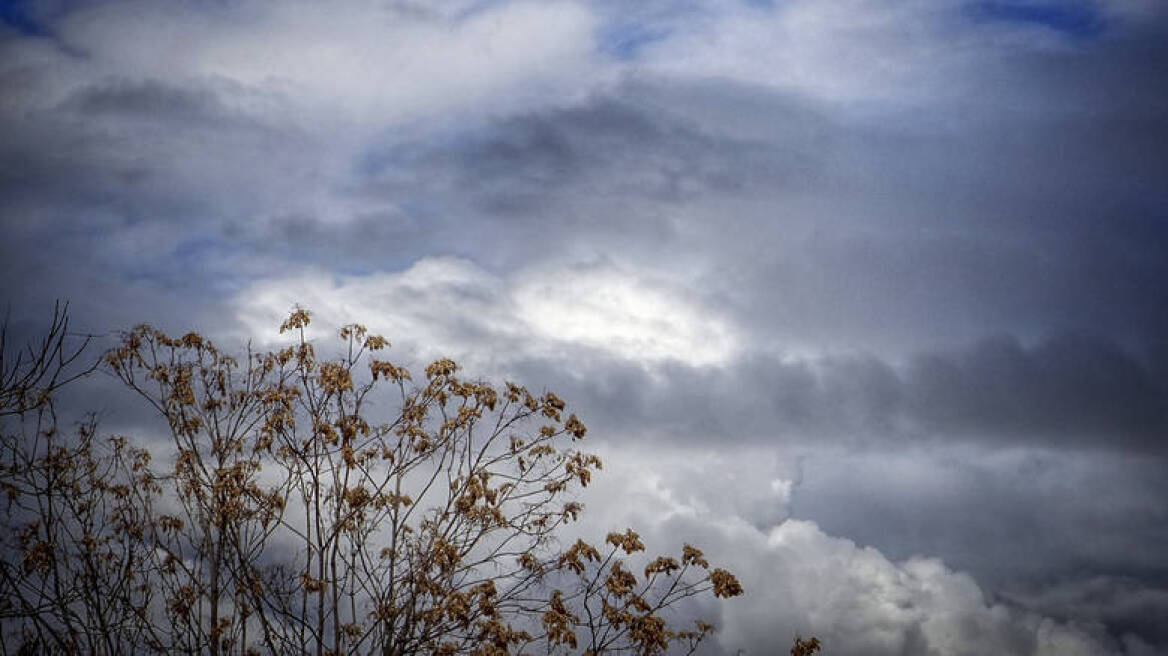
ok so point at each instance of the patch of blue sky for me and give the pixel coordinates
(1074, 18)
(198, 248)
(185, 268)
(625, 41)
(379, 159)
(18, 15)
(196, 259)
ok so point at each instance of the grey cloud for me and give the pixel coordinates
(801, 580)
(1064, 391)
(1036, 527)
(147, 100)
(1003, 516)
(1127, 606)
(791, 217)
(810, 222)
(1065, 388)
(576, 164)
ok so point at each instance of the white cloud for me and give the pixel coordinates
(635, 317)
(906, 53)
(852, 50)
(444, 306)
(366, 62)
(752, 485)
(432, 308)
(801, 580)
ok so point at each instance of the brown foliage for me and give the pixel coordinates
(323, 505)
(805, 647)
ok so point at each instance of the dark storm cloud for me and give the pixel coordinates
(1018, 518)
(554, 162)
(145, 100)
(1126, 604)
(1065, 391)
(1065, 388)
(132, 191)
(112, 141)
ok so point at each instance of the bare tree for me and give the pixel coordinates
(29, 374)
(329, 506)
(50, 568)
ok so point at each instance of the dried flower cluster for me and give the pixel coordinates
(807, 647)
(321, 505)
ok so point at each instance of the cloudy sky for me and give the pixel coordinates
(868, 297)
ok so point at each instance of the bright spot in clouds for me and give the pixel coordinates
(447, 300)
(628, 316)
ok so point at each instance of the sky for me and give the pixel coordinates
(867, 297)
